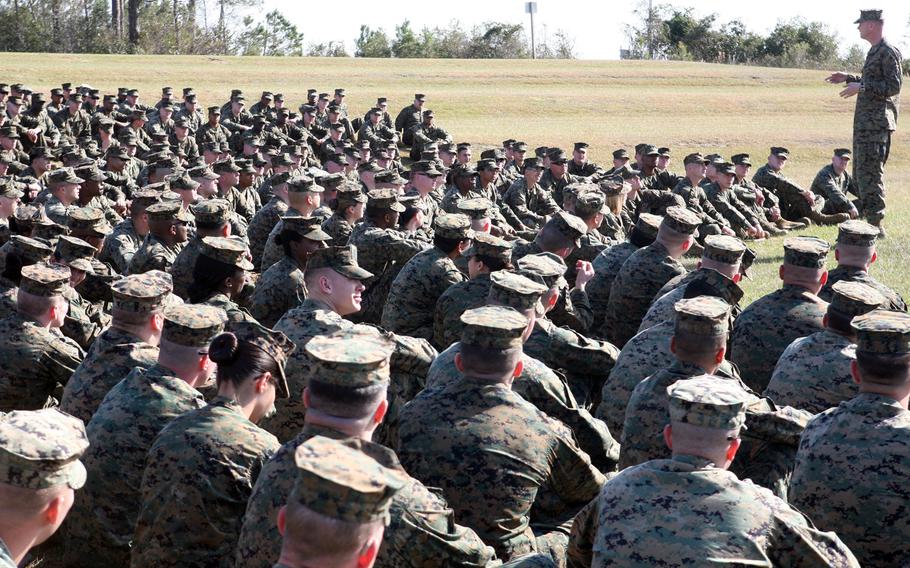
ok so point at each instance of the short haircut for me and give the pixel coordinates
(36, 306)
(552, 239)
(445, 244)
(493, 264)
(345, 401)
(313, 535)
(489, 360)
(883, 368)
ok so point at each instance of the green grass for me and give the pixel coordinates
(609, 104)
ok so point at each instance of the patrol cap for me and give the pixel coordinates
(709, 282)
(307, 109)
(808, 252)
(882, 331)
(853, 299)
(389, 176)
(724, 249)
(41, 449)
(347, 197)
(384, 199)
(337, 480)
(664, 151)
(356, 357)
(168, 211)
(725, 168)
(307, 227)
(28, 249)
(142, 293)
(532, 162)
(741, 159)
(138, 115)
(705, 316)
(541, 151)
(420, 97)
(369, 167)
(571, 226)
(492, 154)
(545, 268)
(193, 325)
(304, 184)
(620, 154)
(613, 186)
(183, 182)
(16, 100)
(869, 16)
(214, 109)
(88, 220)
(514, 290)
(486, 245)
(627, 173)
(341, 259)
(428, 114)
(648, 150)
(119, 152)
(694, 158)
(681, 220)
(10, 189)
(843, 153)
(780, 152)
(557, 156)
(708, 401)
(44, 280)
(487, 164)
(426, 167)
(228, 251)
(275, 344)
(225, 166)
(476, 207)
(648, 225)
(589, 202)
(284, 159)
(493, 327)
(63, 175)
(76, 253)
(453, 226)
(856, 233)
(581, 145)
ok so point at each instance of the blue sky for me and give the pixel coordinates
(598, 27)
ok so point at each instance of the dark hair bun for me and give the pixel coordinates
(224, 348)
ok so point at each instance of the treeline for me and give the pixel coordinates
(677, 33)
(219, 28)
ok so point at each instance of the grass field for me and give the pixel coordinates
(609, 104)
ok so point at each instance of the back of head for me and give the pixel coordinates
(883, 350)
(706, 416)
(701, 330)
(491, 342)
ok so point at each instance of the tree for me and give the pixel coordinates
(274, 36)
(406, 44)
(498, 40)
(372, 43)
(327, 49)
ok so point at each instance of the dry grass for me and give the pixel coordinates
(687, 106)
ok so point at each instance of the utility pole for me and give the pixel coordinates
(650, 29)
(531, 8)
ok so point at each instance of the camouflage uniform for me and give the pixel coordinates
(261, 227)
(834, 189)
(199, 474)
(505, 451)
(338, 228)
(793, 205)
(452, 303)
(279, 289)
(874, 121)
(182, 267)
(843, 273)
(696, 199)
(154, 254)
(123, 428)
(531, 204)
(120, 246)
(409, 306)
(661, 309)
(852, 469)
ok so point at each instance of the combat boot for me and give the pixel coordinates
(823, 219)
(785, 225)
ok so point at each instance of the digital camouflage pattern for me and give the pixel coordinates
(153, 254)
(851, 475)
(661, 309)
(412, 297)
(279, 289)
(457, 299)
(765, 329)
(100, 526)
(40, 449)
(181, 269)
(532, 204)
(110, 358)
(606, 267)
(199, 474)
(633, 289)
(843, 273)
(750, 526)
(834, 188)
(504, 449)
(261, 227)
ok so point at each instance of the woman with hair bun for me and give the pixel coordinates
(201, 468)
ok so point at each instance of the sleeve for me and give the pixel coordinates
(61, 359)
(834, 193)
(518, 201)
(574, 479)
(580, 553)
(889, 84)
(795, 543)
(730, 213)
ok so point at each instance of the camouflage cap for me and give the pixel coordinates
(709, 402)
(384, 199)
(331, 181)
(843, 153)
(193, 325)
(356, 357)
(882, 331)
(370, 166)
(453, 226)
(808, 252)
(557, 156)
(695, 158)
(225, 166)
(341, 259)
(714, 159)
(853, 299)
(544, 268)
(494, 327)
(664, 151)
(741, 159)
(724, 249)
(533, 163)
(725, 168)
(648, 224)
(476, 208)
(9, 131)
(514, 290)
(303, 184)
(780, 152)
(705, 316)
(590, 201)
(486, 245)
(228, 251)
(348, 197)
(183, 182)
(44, 280)
(142, 293)
(28, 249)
(10, 189)
(168, 211)
(307, 227)
(856, 233)
(427, 167)
(337, 480)
(274, 343)
(620, 154)
(571, 226)
(681, 220)
(41, 449)
(709, 282)
(869, 16)
(648, 150)
(212, 211)
(63, 175)
(202, 171)
(76, 253)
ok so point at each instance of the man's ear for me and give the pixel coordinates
(688, 243)
(874, 257)
(824, 278)
(367, 557)
(733, 448)
(381, 411)
(854, 372)
(459, 364)
(668, 436)
(282, 519)
(157, 322)
(519, 367)
(673, 345)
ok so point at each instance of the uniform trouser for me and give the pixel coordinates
(870, 153)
